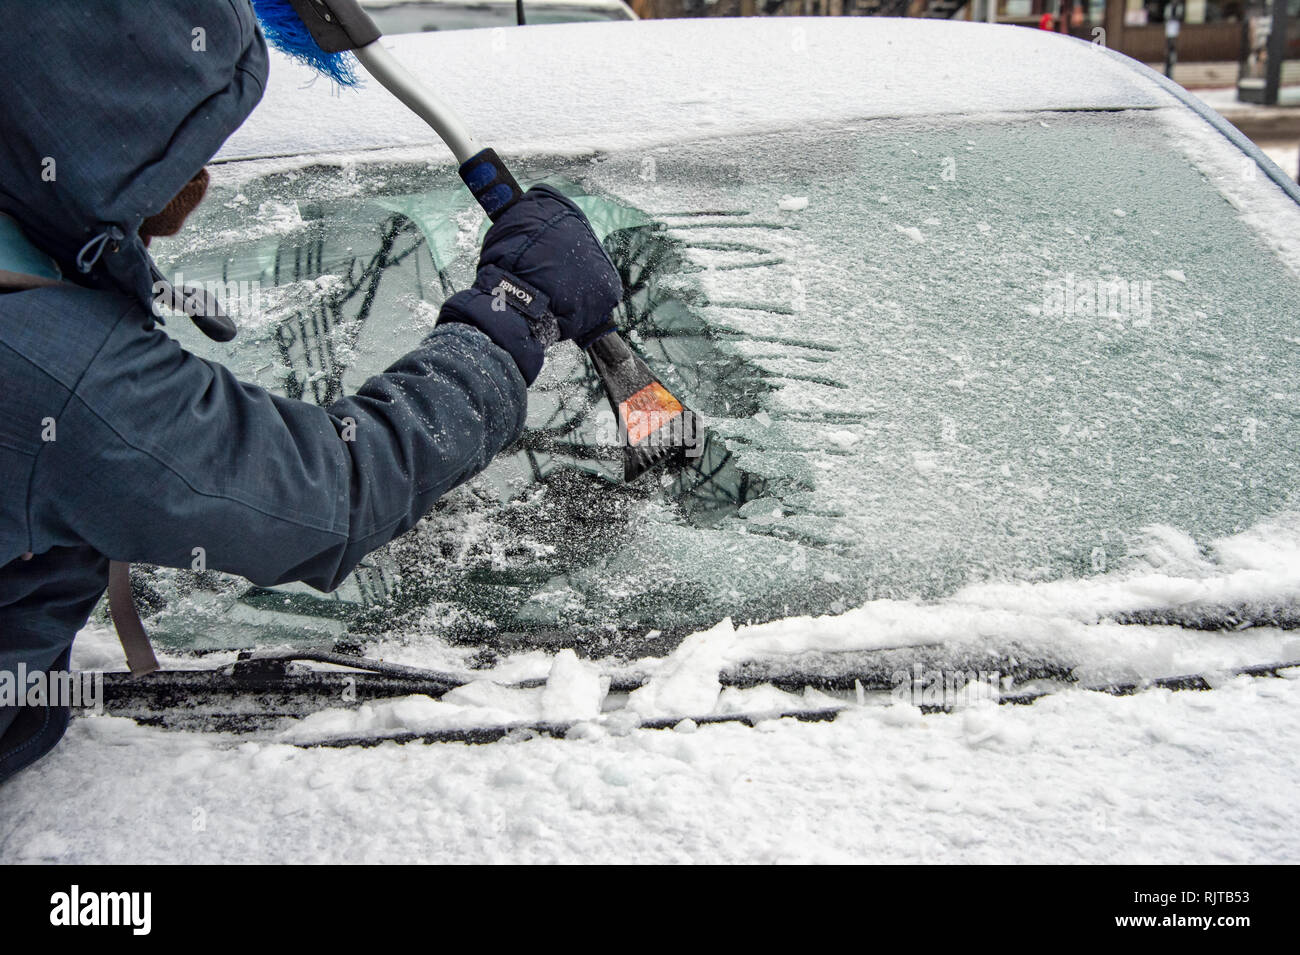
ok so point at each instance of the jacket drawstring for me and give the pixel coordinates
(95, 247)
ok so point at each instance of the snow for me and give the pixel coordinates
(687, 682)
(574, 689)
(1076, 777)
(912, 232)
(1285, 155)
(1192, 777)
(413, 714)
(635, 84)
(1259, 203)
(925, 351)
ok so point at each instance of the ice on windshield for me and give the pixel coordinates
(929, 356)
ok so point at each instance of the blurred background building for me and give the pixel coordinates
(1226, 35)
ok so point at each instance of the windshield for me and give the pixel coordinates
(417, 17)
(928, 355)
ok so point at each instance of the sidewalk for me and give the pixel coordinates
(1195, 76)
(1216, 85)
(1260, 123)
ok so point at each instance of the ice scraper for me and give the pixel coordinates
(654, 425)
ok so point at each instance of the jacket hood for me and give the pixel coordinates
(112, 108)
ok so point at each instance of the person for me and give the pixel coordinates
(118, 445)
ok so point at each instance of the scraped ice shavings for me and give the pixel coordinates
(687, 681)
(574, 689)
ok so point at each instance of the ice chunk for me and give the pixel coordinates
(574, 690)
(687, 683)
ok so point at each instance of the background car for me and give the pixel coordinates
(967, 342)
(421, 16)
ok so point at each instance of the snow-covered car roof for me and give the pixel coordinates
(584, 86)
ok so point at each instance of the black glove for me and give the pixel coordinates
(543, 276)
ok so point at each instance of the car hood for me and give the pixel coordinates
(119, 104)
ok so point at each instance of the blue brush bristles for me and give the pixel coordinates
(286, 32)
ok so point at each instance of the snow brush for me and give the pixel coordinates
(654, 426)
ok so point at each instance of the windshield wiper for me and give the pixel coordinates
(1228, 619)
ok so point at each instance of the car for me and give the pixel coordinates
(1001, 362)
(420, 16)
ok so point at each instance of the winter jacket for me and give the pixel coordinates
(115, 442)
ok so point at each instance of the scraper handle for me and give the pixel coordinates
(490, 182)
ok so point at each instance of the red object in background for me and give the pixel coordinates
(1045, 22)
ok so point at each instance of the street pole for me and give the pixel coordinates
(1276, 52)
(1173, 26)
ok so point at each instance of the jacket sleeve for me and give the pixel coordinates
(164, 458)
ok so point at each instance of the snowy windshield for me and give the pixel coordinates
(928, 354)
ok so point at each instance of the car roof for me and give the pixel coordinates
(570, 88)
